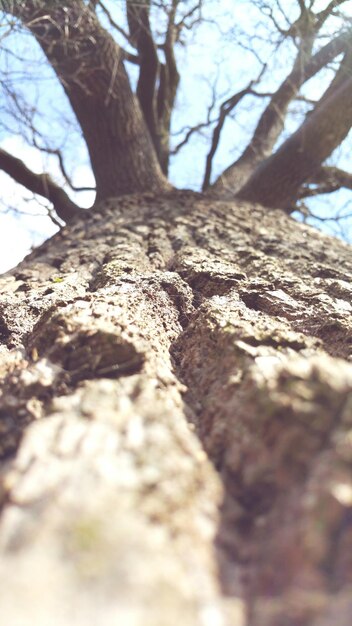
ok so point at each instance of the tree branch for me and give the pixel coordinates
(114, 24)
(128, 56)
(272, 119)
(225, 109)
(333, 175)
(182, 23)
(191, 130)
(327, 180)
(56, 152)
(325, 13)
(168, 84)
(40, 184)
(277, 181)
(141, 37)
(89, 65)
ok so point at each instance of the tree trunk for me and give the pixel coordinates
(176, 417)
(89, 65)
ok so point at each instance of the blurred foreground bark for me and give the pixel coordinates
(176, 421)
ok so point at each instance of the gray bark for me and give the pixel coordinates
(176, 417)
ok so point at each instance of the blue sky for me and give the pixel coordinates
(216, 59)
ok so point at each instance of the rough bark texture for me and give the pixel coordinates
(176, 418)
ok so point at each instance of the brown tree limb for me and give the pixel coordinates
(185, 21)
(89, 64)
(272, 120)
(113, 23)
(58, 154)
(225, 110)
(141, 37)
(127, 56)
(168, 84)
(325, 13)
(330, 174)
(277, 181)
(189, 132)
(302, 5)
(41, 184)
(23, 113)
(131, 58)
(326, 179)
(156, 97)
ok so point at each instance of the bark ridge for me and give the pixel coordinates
(176, 417)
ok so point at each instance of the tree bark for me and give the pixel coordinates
(89, 65)
(175, 419)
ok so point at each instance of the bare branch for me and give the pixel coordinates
(322, 16)
(131, 58)
(141, 37)
(182, 23)
(128, 56)
(327, 179)
(56, 152)
(272, 120)
(40, 184)
(225, 109)
(277, 181)
(113, 23)
(191, 130)
(189, 133)
(89, 65)
(302, 5)
(168, 84)
(307, 212)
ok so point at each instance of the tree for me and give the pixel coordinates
(137, 126)
(176, 397)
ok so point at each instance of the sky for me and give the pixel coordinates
(216, 60)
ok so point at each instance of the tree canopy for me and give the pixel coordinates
(121, 69)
